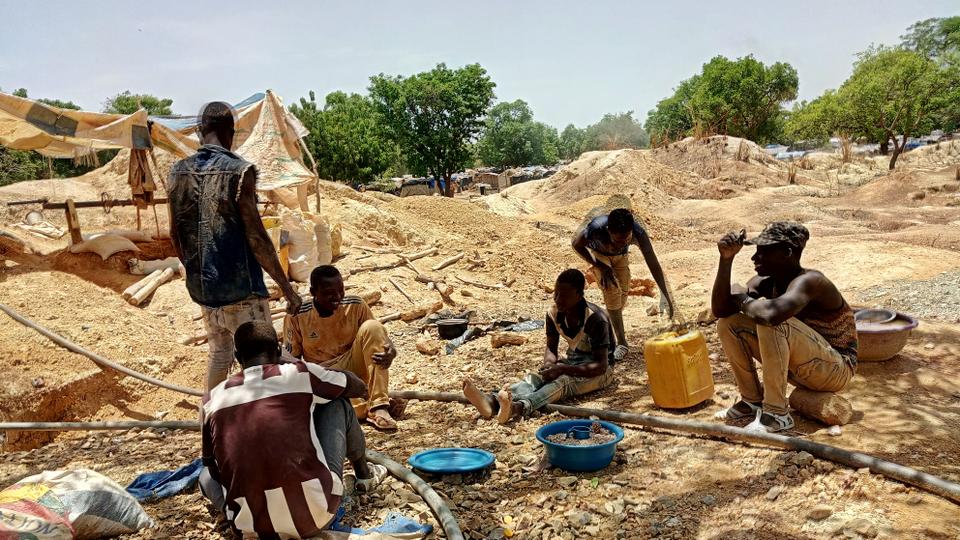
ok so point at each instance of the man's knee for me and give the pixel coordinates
(372, 329)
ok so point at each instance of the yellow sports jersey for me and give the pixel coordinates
(322, 339)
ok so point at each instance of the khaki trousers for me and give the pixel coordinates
(220, 324)
(791, 350)
(615, 297)
(371, 338)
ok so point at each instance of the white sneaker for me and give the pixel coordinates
(620, 352)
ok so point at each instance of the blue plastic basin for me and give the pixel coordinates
(579, 458)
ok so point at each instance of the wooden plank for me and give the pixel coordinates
(73, 223)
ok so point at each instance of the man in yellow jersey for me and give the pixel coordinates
(340, 332)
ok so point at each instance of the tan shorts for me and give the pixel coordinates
(614, 297)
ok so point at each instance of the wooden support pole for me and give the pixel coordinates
(132, 289)
(73, 222)
(391, 317)
(399, 288)
(481, 285)
(148, 289)
(447, 262)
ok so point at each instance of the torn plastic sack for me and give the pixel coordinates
(82, 504)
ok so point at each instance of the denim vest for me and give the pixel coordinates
(220, 266)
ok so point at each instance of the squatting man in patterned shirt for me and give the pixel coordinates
(275, 437)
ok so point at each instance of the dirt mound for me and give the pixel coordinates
(628, 172)
(726, 166)
(934, 155)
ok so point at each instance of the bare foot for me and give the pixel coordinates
(506, 412)
(483, 402)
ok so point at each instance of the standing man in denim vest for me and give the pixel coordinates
(217, 233)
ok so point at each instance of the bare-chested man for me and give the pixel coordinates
(791, 319)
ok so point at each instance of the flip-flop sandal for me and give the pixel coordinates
(366, 485)
(397, 407)
(381, 423)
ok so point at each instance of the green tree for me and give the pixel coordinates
(127, 103)
(897, 93)
(347, 137)
(671, 120)
(571, 142)
(615, 131)
(742, 98)
(434, 116)
(937, 39)
(513, 138)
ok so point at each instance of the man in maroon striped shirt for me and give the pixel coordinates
(274, 439)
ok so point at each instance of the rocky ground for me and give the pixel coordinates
(873, 240)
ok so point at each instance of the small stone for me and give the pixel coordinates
(673, 522)
(560, 495)
(653, 310)
(929, 346)
(708, 500)
(774, 492)
(790, 471)
(665, 502)
(410, 379)
(496, 534)
(834, 431)
(567, 481)
(38, 382)
(862, 526)
(820, 512)
(802, 459)
(593, 531)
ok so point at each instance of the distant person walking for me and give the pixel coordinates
(603, 244)
(216, 230)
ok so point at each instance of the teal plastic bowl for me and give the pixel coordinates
(579, 458)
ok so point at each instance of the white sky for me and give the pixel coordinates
(572, 61)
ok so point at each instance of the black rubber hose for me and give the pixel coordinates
(907, 475)
(191, 425)
(436, 503)
(101, 361)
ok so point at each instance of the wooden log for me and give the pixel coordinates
(501, 339)
(478, 284)
(73, 222)
(391, 317)
(132, 290)
(148, 289)
(421, 254)
(399, 288)
(828, 407)
(195, 340)
(420, 311)
(371, 297)
(447, 262)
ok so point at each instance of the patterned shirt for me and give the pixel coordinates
(322, 340)
(260, 444)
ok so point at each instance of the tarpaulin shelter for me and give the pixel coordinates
(266, 135)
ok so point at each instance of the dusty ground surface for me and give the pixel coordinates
(880, 241)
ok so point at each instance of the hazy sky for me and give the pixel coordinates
(572, 61)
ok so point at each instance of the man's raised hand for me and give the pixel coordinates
(731, 244)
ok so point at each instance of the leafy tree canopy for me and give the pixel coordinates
(127, 103)
(347, 137)
(434, 116)
(742, 97)
(513, 138)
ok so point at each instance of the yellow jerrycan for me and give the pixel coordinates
(678, 369)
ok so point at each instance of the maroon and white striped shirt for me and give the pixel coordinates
(260, 444)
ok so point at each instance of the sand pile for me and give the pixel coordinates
(934, 155)
(628, 172)
(727, 166)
